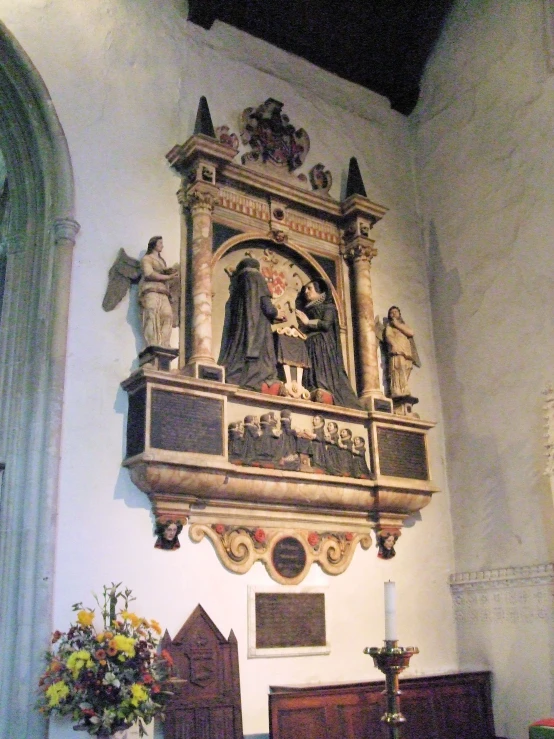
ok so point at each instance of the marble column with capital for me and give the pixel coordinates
(359, 254)
(199, 201)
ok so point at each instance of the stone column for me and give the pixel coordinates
(359, 254)
(200, 202)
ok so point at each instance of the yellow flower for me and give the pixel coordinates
(132, 617)
(85, 618)
(156, 626)
(125, 644)
(56, 693)
(140, 694)
(77, 660)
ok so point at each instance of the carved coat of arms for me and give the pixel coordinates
(272, 137)
(202, 664)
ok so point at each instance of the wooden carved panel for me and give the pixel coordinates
(207, 703)
(442, 707)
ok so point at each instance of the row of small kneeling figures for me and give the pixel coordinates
(273, 443)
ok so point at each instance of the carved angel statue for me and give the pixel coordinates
(158, 292)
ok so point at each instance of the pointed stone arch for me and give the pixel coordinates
(38, 244)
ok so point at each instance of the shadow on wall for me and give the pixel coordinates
(480, 516)
(124, 488)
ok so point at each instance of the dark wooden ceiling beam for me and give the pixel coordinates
(382, 45)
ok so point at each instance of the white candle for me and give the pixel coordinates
(390, 611)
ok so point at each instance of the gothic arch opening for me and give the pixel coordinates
(37, 235)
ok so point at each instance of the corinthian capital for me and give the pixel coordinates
(197, 198)
(359, 250)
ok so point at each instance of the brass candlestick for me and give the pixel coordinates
(391, 660)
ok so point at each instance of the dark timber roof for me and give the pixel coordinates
(380, 44)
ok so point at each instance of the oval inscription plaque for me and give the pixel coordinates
(289, 557)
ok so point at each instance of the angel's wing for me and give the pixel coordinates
(124, 271)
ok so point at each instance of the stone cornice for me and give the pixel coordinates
(261, 183)
(506, 577)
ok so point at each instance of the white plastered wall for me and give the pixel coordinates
(125, 78)
(485, 165)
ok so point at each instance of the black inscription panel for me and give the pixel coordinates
(402, 453)
(289, 557)
(383, 406)
(290, 620)
(186, 423)
(136, 420)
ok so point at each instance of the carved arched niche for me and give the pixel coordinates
(185, 426)
(286, 268)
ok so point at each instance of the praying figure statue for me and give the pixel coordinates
(247, 349)
(401, 352)
(318, 319)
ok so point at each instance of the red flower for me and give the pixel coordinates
(56, 635)
(155, 688)
(259, 535)
(313, 538)
(349, 536)
(147, 679)
(219, 528)
(88, 712)
(100, 654)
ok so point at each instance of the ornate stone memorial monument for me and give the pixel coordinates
(273, 437)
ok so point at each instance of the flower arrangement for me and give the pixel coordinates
(110, 679)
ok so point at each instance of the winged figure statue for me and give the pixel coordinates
(159, 291)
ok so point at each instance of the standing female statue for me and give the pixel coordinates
(401, 351)
(320, 322)
(155, 295)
